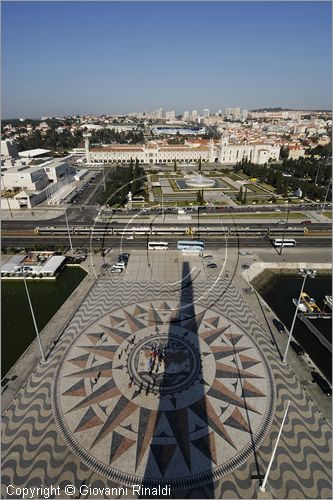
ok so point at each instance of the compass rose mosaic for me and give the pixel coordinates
(153, 393)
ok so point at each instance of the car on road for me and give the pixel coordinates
(245, 266)
(279, 326)
(207, 257)
(116, 270)
(119, 265)
(105, 252)
(212, 265)
(123, 257)
(307, 222)
(323, 384)
(297, 348)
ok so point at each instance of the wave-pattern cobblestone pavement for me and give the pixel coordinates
(34, 453)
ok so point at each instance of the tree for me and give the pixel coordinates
(284, 152)
(200, 197)
(175, 166)
(245, 196)
(199, 166)
(135, 175)
(240, 194)
(238, 166)
(285, 189)
(279, 182)
(131, 168)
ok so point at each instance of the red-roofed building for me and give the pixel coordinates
(194, 150)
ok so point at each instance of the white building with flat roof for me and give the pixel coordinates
(34, 153)
(58, 169)
(27, 186)
(8, 149)
(25, 177)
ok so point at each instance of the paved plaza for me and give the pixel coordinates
(165, 376)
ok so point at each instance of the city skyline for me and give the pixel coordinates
(109, 58)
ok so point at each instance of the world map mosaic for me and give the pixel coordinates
(154, 392)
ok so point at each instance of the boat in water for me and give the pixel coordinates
(328, 301)
(301, 307)
(310, 303)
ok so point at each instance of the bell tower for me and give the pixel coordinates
(224, 143)
(224, 139)
(211, 151)
(86, 136)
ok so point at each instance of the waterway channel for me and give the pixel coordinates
(279, 294)
(16, 322)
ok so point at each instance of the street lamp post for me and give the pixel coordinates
(307, 273)
(315, 182)
(262, 488)
(9, 208)
(285, 229)
(104, 187)
(69, 236)
(199, 221)
(326, 195)
(34, 322)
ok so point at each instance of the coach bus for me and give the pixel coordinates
(191, 246)
(158, 245)
(284, 243)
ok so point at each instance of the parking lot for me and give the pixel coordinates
(85, 188)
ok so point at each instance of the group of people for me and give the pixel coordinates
(156, 357)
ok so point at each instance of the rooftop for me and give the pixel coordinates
(31, 153)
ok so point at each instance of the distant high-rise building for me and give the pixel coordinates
(170, 115)
(186, 116)
(194, 115)
(205, 113)
(158, 113)
(233, 113)
(245, 114)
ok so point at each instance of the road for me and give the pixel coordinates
(83, 213)
(141, 243)
(84, 219)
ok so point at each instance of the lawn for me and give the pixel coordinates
(268, 187)
(234, 177)
(174, 185)
(256, 189)
(157, 191)
(281, 215)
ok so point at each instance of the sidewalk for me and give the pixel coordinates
(33, 214)
(29, 360)
(300, 366)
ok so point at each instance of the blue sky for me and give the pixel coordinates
(61, 58)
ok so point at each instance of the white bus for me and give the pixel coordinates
(279, 242)
(158, 245)
(191, 247)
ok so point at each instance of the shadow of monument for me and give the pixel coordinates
(181, 450)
